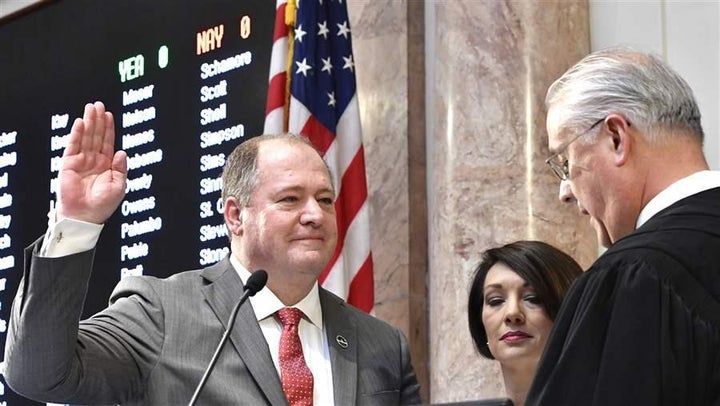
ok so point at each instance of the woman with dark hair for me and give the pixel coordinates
(515, 294)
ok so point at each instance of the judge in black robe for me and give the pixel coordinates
(642, 325)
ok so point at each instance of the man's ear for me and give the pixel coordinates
(620, 134)
(233, 215)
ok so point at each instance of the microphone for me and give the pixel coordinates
(255, 283)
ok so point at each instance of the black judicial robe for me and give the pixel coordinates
(642, 325)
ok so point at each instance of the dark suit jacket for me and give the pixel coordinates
(154, 341)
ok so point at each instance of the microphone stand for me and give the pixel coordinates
(255, 283)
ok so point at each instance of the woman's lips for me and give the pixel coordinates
(512, 336)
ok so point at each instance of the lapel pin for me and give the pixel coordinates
(341, 341)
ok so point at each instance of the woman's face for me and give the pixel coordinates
(514, 318)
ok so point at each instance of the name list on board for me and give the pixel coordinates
(218, 133)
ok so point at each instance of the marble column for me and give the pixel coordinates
(490, 63)
(388, 47)
(456, 167)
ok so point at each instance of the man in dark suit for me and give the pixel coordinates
(152, 344)
(642, 325)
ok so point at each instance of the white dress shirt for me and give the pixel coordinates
(312, 334)
(68, 237)
(688, 186)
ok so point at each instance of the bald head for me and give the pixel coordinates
(240, 175)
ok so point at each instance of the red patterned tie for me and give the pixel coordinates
(297, 380)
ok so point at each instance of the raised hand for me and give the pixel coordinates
(92, 178)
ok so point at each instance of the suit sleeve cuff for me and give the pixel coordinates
(68, 237)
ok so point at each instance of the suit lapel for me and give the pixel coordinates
(342, 342)
(222, 294)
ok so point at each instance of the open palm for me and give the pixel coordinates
(92, 178)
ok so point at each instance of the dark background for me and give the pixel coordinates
(56, 57)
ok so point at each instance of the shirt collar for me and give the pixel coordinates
(265, 303)
(688, 186)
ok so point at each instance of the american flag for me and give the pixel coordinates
(315, 96)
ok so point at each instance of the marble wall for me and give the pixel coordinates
(685, 33)
(388, 38)
(451, 98)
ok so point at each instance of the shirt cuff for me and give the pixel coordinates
(68, 236)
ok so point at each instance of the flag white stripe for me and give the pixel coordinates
(274, 121)
(278, 60)
(354, 253)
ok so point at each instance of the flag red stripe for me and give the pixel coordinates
(320, 136)
(353, 190)
(362, 287)
(276, 93)
(281, 29)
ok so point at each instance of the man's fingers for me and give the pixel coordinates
(100, 130)
(119, 164)
(89, 117)
(94, 133)
(75, 137)
(107, 146)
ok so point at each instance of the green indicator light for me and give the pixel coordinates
(163, 57)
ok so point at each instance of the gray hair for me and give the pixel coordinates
(641, 87)
(240, 175)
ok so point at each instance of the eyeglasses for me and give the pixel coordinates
(558, 163)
